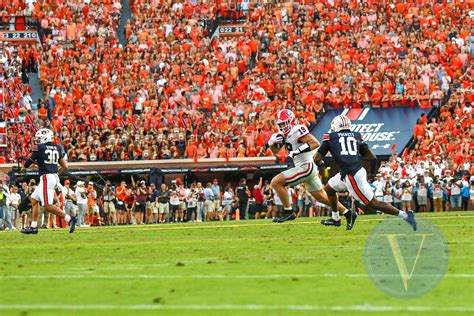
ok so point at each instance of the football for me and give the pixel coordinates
(279, 145)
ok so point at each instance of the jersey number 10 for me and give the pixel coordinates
(53, 156)
(348, 146)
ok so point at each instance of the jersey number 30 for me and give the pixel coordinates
(53, 156)
(348, 146)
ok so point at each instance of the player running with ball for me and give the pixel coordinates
(301, 146)
(348, 148)
(47, 156)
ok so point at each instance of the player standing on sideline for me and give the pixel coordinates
(47, 156)
(301, 146)
(348, 148)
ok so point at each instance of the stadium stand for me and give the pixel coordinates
(174, 92)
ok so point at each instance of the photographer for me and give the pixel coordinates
(3, 203)
(227, 202)
(175, 203)
(25, 205)
(152, 205)
(108, 198)
(388, 193)
(14, 199)
(122, 194)
(397, 195)
(69, 198)
(182, 193)
(163, 203)
(140, 202)
(200, 204)
(455, 199)
(191, 203)
(208, 203)
(407, 196)
(92, 208)
(81, 199)
(436, 192)
(243, 195)
(421, 194)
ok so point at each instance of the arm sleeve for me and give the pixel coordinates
(363, 148)
(62, 152)
(324, 148)
(33, 157)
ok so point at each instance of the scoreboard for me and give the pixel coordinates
(230, 30)
(19, 36)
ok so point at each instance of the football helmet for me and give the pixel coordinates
(44, 136)
(339, 123)
(285, 121)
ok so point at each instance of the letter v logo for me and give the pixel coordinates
(397, 254)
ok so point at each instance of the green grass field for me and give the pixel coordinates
(231, 268)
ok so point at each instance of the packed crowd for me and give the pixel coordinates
(16, 104)
(13, 8)
(434, 184)
(173, 92)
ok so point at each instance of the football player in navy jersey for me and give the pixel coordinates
(47, 156)
(347, 148)
(301, 146)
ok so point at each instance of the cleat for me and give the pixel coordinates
(331, 222)
(286, 217)
(72, 222)
(29, 230)
(411, 219)
(351, 217)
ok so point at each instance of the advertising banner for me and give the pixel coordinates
(384, 129)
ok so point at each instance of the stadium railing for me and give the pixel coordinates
(169, 163)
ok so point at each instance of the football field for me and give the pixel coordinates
(231, 268)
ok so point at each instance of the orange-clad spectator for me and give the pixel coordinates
(161, 89)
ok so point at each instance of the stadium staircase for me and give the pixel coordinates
(125, 16)
(37, 92)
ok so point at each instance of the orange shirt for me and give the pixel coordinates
(191, 151)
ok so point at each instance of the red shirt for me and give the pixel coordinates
(257, 194)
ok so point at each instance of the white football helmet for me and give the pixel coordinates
(44, 136)
(285, 121)
(339, 123)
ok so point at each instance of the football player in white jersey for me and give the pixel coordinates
(301, 146)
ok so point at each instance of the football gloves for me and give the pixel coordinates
(276, 138)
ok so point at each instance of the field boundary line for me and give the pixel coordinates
(255, 223)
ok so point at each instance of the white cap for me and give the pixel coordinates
(80, 182)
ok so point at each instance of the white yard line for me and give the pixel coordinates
(207, 276)
(236, 307)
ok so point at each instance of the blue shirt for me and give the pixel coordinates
(208, 194)
(153, 196)
(465, 191)
(216, 190)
